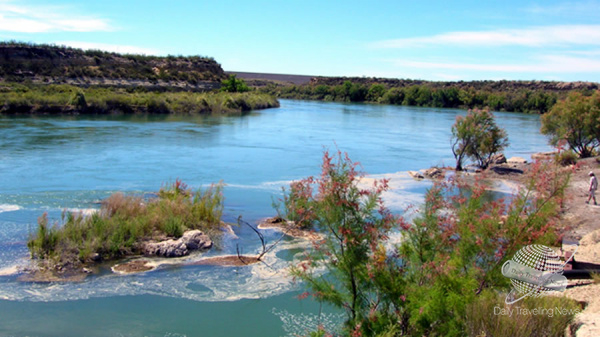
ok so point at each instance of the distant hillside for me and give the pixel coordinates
(21, 62)
(262, 79)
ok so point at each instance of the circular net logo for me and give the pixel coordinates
(534, 270)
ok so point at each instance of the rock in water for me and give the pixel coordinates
(434, 173)
(191, 240)
(517, 160)
(195, 239)
(416, 175)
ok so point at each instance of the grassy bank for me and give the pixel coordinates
(431, 94)
(123, 223)
(16, 98)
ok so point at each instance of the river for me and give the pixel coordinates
(49, 164)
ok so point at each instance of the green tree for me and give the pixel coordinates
(376, 91)
(357, 93)
(321, 91)
(575, 120)
(233, 84)
(477, 136)
(79, 101)
(393, 96)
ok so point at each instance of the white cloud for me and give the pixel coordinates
(121, 49)
(543, 64)
(572, 8)
(558, 35)
(41, 19)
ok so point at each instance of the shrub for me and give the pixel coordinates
(298, 203)
(233, 84)
(42, 244)
(566, 158)
(173, 227)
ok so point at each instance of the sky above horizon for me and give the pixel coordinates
(429, 40)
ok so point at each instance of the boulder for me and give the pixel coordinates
(516, 160)
(195, 239)
(191, 240)
(498, 158)
(502, 170)
(416, 174)
(543, 155)
(434, 173)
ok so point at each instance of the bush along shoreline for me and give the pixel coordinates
(444, 278)
(126, 225)
(62, 99)
(510, 96)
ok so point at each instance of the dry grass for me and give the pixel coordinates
(543, 316)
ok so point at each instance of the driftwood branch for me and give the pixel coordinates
(265, 249)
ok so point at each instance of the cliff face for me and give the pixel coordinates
(52, 64)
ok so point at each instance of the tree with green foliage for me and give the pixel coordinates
(477, 136)
(234, 84)
(575, 120)
(376, 91)
(79, 101)
(355, 223)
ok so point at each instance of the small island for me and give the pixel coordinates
(173, 223)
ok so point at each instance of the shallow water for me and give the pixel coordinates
(48, 164)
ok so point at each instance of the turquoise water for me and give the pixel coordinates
(48, 164)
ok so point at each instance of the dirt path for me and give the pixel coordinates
(583, 224)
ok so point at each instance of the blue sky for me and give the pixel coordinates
(430, 40)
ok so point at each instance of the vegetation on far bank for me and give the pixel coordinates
(124, 223)
(17, 98)
(509, 96)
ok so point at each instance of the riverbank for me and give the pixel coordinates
(583, 221)
(578, 223)
(63, 99)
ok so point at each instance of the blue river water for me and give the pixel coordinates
(51, 164)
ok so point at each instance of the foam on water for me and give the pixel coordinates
(197, 283)
(82, 211)
(9, 208)
(266, 186)
(403, 190)
(303, 324)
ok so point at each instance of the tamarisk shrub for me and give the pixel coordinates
(450, 253)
